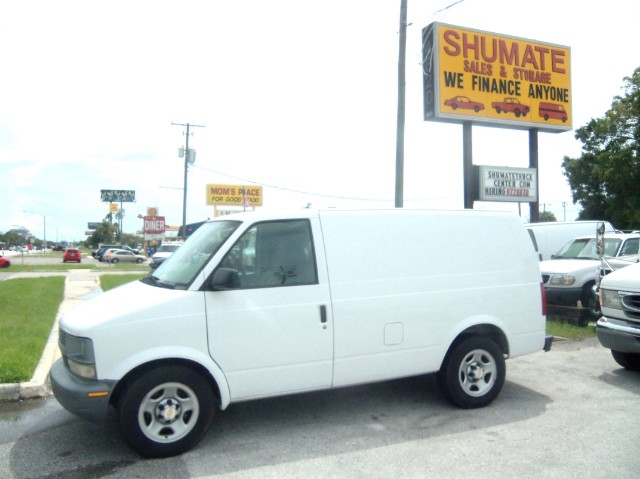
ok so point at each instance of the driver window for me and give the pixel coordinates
(274, 253)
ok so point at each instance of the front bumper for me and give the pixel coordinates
(86, 398)
(563, 296)
(618, 335)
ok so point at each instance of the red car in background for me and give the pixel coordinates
(72, 254)
(464, 102)
(4, 262)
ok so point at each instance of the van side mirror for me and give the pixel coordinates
(224, 279)
(600, 239)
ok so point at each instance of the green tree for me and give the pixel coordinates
(605, 179)
(131, 240)
(12, 238)
(105, 233)
(547, 216)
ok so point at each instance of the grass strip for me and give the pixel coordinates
(29, 308)
(561, 327)
(26, 268)
(110, 281)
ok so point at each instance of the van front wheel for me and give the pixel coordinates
(166, 411)
(472, 373)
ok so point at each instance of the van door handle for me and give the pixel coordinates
(323, 314)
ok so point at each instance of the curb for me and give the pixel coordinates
(78, 285)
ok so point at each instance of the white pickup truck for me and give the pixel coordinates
(619, 328)
(571, 275)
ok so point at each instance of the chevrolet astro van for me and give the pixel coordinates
(263, 304)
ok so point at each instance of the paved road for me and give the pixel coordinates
(569, 413)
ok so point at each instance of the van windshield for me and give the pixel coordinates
(181, 268)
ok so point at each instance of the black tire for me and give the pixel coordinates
(517, 112)
(139, 260)
(472, 373)
(591, 305)
(546, 117)
(630, 361)
(454, 106)
(166, 411)
(498, 109)
(114, 260)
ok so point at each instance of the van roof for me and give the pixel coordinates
(314, 213)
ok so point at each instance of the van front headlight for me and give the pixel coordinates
(78, 355)
(562, 279)
(610, 299)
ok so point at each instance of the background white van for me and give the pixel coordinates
(549, 237)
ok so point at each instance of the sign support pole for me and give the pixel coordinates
(534, 207)
(467, 160)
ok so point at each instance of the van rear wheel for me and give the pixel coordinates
(472, 373)
(166, 411)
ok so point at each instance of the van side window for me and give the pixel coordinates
(274, 253)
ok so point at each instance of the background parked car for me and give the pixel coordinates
(4, 262)
(571, 276)
(122, 255)
(99, 252)
(164, 251)
(72, 254)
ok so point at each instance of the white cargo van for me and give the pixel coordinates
(263, 304)
(549, 237)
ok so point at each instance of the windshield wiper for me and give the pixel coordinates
(155, 281)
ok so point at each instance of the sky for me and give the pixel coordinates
(297, 96)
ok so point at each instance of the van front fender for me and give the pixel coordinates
(167, 354)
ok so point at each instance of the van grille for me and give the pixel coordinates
(630, 304)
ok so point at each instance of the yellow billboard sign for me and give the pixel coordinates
(471, 75)
(238, 195)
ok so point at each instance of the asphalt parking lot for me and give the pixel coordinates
(567, 413)
(571, 412)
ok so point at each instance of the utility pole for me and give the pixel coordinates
(187, 156)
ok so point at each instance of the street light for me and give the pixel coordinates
(44, 230)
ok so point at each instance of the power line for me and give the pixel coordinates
(322, 195)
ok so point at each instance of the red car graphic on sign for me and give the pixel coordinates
(512, 105)
(464, 102)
